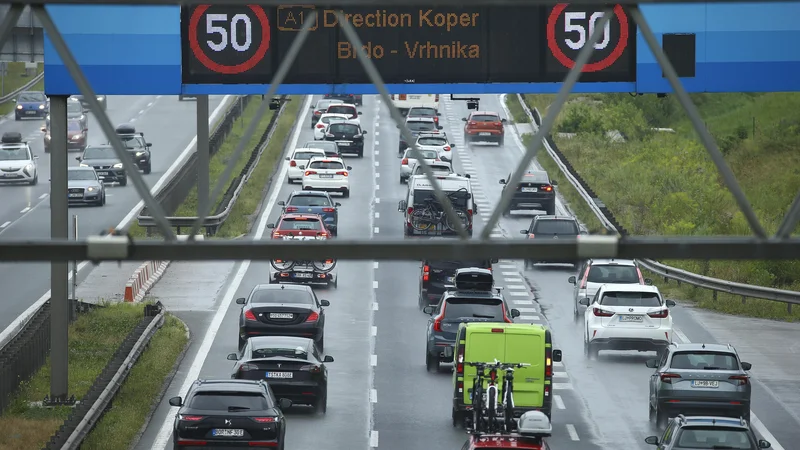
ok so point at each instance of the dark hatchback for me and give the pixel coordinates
(551, 227)
(105, 162)
(348, 136)
(356, 99)
(534, 192)
(436, 275)
(424, 111)
(330, 148)
(137, 146)
(293, 367)
(30, 104)
(282, 310)
(229, 414)
(314, 202)
(418, 125)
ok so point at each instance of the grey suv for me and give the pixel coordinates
(699, 379)
(471, 298)
(707, 432)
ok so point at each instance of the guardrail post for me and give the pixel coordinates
(789, 308)
(744, 300)
(715, 295)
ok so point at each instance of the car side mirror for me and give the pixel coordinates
(648, 281)
(401, 206)
(311, 107)
(651, 363)
(284, 403)
(438, 113)
(327, 359)
(36, 157)
(241, 301)
(557, 355)
(349, 168)
(233, 357)
(652, 440)
(44, 129)
(428, 310)
(746, 366)
(495, 261)
(463, 119)
(467, 176)
(86, 111)
(359, 113)
(337, 204)
(325, 303)
(502, 181)
(515, 313)
(270, 225)
(671, 303)
(503, 120)
(439, 127)
(78, 158)
(523, 231)
(301, 167)
(363, 131)
(287, 158)
(554, 182)
(176, 401)
(764, 444)
(148, 144)
(571, 280)
(452, 145)
(584, 302)
(14, 100)
(281, 203)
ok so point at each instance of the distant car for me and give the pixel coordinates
(314, 202)
(76, 111)
(356, 99)
(438, 142)
(30, 104)
(349, 136)
(300, 158)
(102, 99)
(282, 310)
(408, 163)
(708, 432)
(321, 128)
(18, 164)
(330, 148)
(551, 227)
(104, 160)
(327, 174)
(137, 146)
(535, 192)
(220, 413)
(346, 109)
(77, 136)
(596, 272)
(418, 126)
(424, 111)
(483, 126)
(320, 108)
(84, 188)
(293, 366)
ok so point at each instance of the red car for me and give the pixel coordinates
(504, 441)
(484, 126)
(299, 226)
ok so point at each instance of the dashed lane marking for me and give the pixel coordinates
(374, 306)
(377, 216)
(558, 364)
(375, 264)
(374, 331)
(517, 287)
(559, 402)
(373, 439)
(509, 266)
(374, 285)
(518, 294)
(373, 395)
(514, 280)
(510, 273)
(43, 196)
(527, 310)
(377, 174)
(562, 386)
(24, 210)
(524, 302)
(560, 375)
(5, 224)
(377, 200)
(533, 318)
(373, 361)
(573, 434)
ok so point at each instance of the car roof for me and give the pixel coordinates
(705, 421)
(306, 149)
(327, 158)
(300, 215)
(493, 441)
(612, 287)
(564, 218)
(230, 385)
(612, 262)
(333, 115)
(488, 113)
(280, 341)
(310, 193)
(704, 347)
(281, 287)
(455, 293)
(420, 119)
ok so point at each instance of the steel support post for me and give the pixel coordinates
(75, 263)
(9, 22)
(59, 229)
(203, 155)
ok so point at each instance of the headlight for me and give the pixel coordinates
(28, 167)
(100, 97)
(118, 166)
(84, 165)
(77, 137)
(19, 106)
(91, 189)
(139, 153)
(41, 106)
(82, 117)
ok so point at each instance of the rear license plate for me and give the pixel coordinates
(283, 375)
(224, 432)
(304, 275)
(281, 315)
(630, 318)
(326, 176)
(344, 142)
(102, 174)
(75, 195)
(414, 97)
(705, 383)
(484, 134)
(530, 190)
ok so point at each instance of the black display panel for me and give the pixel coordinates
(497, 44)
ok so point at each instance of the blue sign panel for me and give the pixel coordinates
(136, 50)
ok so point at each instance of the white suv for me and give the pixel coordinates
(627, 317)
(327, 174)
(438, 142)
(17, 162)
(299, 160)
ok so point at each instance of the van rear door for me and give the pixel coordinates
(482, 345)
(523, 346)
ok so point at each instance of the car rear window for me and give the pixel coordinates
(309, 200)
(342, 109)
(418, 125)
(305, 156)
(436, 169)
(471, 308)
(635, 299)
(332, 165)
(485, 118)
(300, 224)
(704, 360)
(613, 274)
(332, 119)
(432, 141)
(294, 296)
(346, 128)
(426, 154)
(297, 353)
(221, 401)
(421, 112)
(459, 199)
(535, 177)
(556, 227)
(453, 265)
(714, 437)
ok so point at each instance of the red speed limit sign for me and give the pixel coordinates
(570, 30)
(230, 43)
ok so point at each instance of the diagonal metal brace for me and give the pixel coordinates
(547, 124)
(697, 122)
(790, 220)
(10, 21)
(105, 123)
(377, 80)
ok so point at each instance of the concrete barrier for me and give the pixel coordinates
(147, 275)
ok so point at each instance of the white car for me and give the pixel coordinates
(300, 158)
(347, 109)
(408, 163)
(327, 174)
(17, 162)
(439, 168)
(627, 317)
(438, 142)
(324, 121)
(594, 273)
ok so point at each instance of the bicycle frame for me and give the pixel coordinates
(491, 400)
(508, 399)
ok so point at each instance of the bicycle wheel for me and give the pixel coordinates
(491, 414)
(462, 216)
(423, 220)
(477, 409)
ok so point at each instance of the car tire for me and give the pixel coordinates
(458, 418)
(661, 418)
(321, 342)
(35, 180)
(124, 182)
(402, 180)
(408, 231)
(501, 141)
(590, 350)
(550, 209)
(242, 343)
(148, 169)
(103, 202)
(361, 153)
(431, 363)
(346, 193)
(17, 117)
(321, 406)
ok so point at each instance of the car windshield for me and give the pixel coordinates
(330, 165)
(346, 128)
(426, 154)
(555, 227)
(221, 401)
(74, 108)
(714, 438)
(310, 200)
(326, 146)
(469, 308)
(436, 169)
(613, 274)
(99, 153)
(459, 199)
(298, 352)
(484, 118)
(342, 109)
(432, 141)
(424, 112)
(31, 97)
(300, 224)
(73, 125)
(419, 125)
(305, 156)
(534, 177)
(132, 142)
(701, 360)
(83, 175)
(14, 154)
(295, 296)
(323, 104)
(640, 299)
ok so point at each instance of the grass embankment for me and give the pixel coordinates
(93, 339)
(14, 79)
(660, 183)
(242, 215)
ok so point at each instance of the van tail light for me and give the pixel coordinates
(404, 161)
(313, 317)
(291, 209)
(328, 210)
(548, 188)
(410, 210)
(188, 418)
(426, 272)
(584, 278)
(741, 380)
(265, 419)
(436, 98)
(310, 368)
(343, 173)
(460, 360)
(469, 212)
(310, 172)
(602, 312)
(663, 314)
(248, 315)
(292, 163)
(668, 377)
(548, 362)
(437, 324)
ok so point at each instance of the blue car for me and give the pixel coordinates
(31, 104)
(314, 202)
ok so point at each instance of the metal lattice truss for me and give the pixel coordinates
(759, 246)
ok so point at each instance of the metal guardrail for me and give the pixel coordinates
(12, 95)
(213, 222)
(608, 220)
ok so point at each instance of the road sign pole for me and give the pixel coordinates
(59, 230)
(75, 263)
(203, 155)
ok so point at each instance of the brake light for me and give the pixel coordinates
(344, 173)
(248, 367)
(313, 317)
(437, 98)
(311, 368)
(410, 210)
(265, 419)
(437, 324)
(641, 278)
(497, 330)
(668, 377)
(291, 209)
(663, 314)
(248, 315)
(548, 188)
(469, 212)
(548, 362)
(402, 96)
(310, 172)
(317, 113)
(447, 148)
(292, 163)
(404, 161)
(320, 125)
(585, 277)
(741, 380)
(602, 312)
(192, 418)
(460, 360)
(426, 269)
(531, 236)
(328, 210)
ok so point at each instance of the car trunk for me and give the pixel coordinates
(443, 272)
(278, 370)
(278, 314)
(709, 385)
(529, 187)
(203, 429)
(627, 316)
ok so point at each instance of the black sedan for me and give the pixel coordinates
(229, 413)
(282, 310)
(294, 368)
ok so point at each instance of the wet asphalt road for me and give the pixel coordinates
(380, 392)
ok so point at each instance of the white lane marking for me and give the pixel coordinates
(373, 395)
(518, 294)
(514, 280)
(533, 318)
(573, 434)
(377, 133)
(377, 163)
(377, 187)
(374, 331)
(377, 216)
(376, 144)
(165, 433)
(558, 364)
(510, 273)
(5, 224)
(376, 230)
(25, 209)
(509, 266)
(377, 174)
(373, 439)
(559, 402)
(374, 306)
(560, 375)
(527, 310)
(141, 111)
(517, 287)
(524, 302)
(43, 196)
(133, 120)
(373, 360)
(377, 200)
(375, 264)
(374, 285)
(150, 104)
(562, 386)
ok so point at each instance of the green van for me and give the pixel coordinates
(508, 343)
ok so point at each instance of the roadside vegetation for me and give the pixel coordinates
(14, 79)
(246, 207)
(664, 183)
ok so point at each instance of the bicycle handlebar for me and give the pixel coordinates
(497, 365)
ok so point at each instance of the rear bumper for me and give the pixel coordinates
(443, 350)
(304, 393)
(477, 134)
(112, 175)
(535, 202)
(673, 407)
(642, 341)
(300, 330)
(292, 277)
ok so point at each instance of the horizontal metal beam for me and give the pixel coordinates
(371, 3)
(657, 247)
